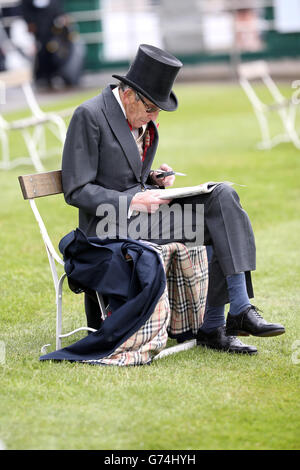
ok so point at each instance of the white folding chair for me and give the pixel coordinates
(32, 128)
(285, 108)
(47, 184)
(41, 185)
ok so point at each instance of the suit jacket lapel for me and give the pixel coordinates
(120, 128)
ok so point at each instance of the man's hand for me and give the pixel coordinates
(147, 201)
(167, 181)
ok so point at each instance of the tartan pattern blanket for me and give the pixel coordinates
(180, 309)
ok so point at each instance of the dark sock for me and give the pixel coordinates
(237, 292)
(213, 318)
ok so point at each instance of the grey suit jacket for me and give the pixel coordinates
(101, 161)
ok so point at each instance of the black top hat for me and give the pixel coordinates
(152, 73)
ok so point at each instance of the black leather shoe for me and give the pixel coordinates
(218, 340)
(250, 322)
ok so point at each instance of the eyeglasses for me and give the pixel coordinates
(149, 109)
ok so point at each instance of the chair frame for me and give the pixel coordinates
(286, 108)
(31, 128)
(41, 185)
(47, 184)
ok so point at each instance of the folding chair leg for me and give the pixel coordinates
(59, 334)
(32, 149)
(5, 151)
(40, 138)
(266, 142)
(101, 306)
(58, 123)
(175, 349)
(59, 310)
(294, 138)
(288, 120)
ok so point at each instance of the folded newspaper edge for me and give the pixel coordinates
(203, 188)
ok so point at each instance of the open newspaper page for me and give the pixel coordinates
(172, 193)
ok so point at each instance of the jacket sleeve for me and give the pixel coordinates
(80, 165)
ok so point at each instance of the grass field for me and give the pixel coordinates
(198, 399)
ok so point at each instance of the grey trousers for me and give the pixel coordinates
(228, 230)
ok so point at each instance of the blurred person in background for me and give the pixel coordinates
(13, 40)
(59, 52)
(2, 38)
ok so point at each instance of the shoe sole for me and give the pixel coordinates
(265, 334)
(232, 351)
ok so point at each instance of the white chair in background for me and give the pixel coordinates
(285, 108)
(32, 128)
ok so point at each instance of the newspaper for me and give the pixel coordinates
(208, 187)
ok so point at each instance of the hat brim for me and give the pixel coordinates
(170, 104)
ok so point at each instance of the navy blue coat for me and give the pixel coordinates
(132, 289)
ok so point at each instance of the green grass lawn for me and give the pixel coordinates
(198, 399)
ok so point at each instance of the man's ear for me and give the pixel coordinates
(129, 95)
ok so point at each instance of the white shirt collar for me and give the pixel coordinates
(118, 98)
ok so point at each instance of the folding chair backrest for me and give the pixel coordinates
(40, 185)
(32, 128)
(258, 70)
(285, 108)
(253, 70)
(22, 78)
(16, 78)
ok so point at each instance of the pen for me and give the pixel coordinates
(163, 173)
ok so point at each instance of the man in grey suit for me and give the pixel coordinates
(108, 154)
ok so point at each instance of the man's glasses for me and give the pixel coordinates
(149, 109)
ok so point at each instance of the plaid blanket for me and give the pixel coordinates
(179, 311)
